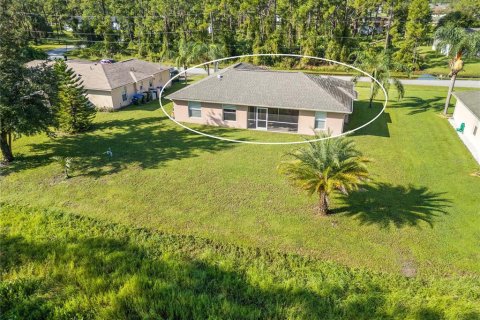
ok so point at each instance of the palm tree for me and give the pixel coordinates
(184, 56)
(456, 43)
(379, 65)
(203, 52)
(326, 166)
(216, 51)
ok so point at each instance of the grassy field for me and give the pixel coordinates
(62, 266)
(418, 216)
(48, 46)
(437, 64)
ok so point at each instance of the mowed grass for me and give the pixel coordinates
(419, 216)
(438, 64)
(62, 266)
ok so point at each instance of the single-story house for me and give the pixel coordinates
(466, 119)
(250, 97)
(112, 85)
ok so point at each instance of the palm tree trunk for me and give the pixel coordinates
(323, 204)
(449, 95)
(185, 73)
(6, 147)
(390, 18)
(371, 94)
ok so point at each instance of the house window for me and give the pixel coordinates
(229, 113)
(194, 109)
(141, 85)
(124, 94)
(150, 83)
(320, 120)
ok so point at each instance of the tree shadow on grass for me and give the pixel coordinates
(387, 205)
(133, 283)
(147, 142)
(362, 113)
(419, 105)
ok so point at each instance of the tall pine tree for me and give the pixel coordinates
(75, 111)
(416, 30)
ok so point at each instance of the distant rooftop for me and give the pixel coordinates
(250, 85)
(97, 76)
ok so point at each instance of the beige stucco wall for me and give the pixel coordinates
(463, 114)
(161, 78)
(101, 99)
(113, 99)
(306, 122)
(117, 96)
(158, 80)
(212, 114)
(335, 122)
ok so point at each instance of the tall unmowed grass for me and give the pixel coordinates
(56, 265)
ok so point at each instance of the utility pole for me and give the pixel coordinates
(211, 24)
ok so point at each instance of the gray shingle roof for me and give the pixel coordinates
(97, 76)
(471, 99)
(244, 84)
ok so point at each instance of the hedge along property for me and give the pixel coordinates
(251, 97)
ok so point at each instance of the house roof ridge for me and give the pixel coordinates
(106, 76)
(310, 76)
(283, 89)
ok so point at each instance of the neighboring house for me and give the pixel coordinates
(245, 96)
(467, 111)
(112, 86)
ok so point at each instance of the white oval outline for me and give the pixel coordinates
(275, 55)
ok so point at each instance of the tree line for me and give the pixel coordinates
(157, 28)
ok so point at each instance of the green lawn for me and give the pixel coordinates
(437, 64)
(61, 266)
(48, 46)
(421, 208)
(418, 218)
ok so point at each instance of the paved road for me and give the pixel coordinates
(59, 52)
(426, 82)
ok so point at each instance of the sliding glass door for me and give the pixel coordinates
(262, 118)
(273, 119)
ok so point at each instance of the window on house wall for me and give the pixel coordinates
(141, 85)
(150, 83)
(124, 94)
(229, 113)
(320, 120)
(194, 109)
